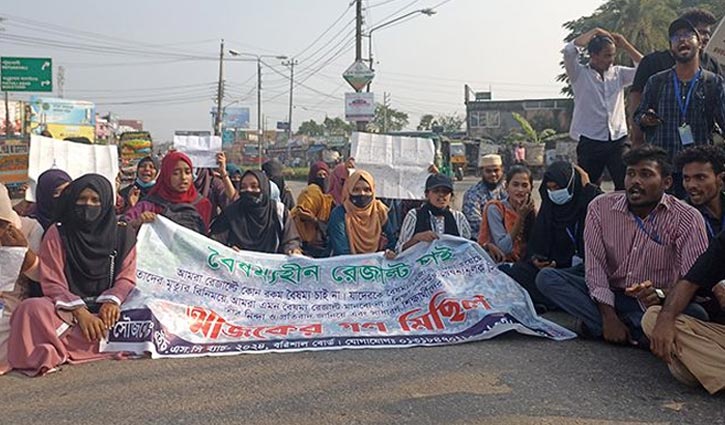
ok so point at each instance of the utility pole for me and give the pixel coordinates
(361, 125)
(61, 80)
(7, 115)
(220, 92)
(386, 106)
(260, 132)
(291, 63)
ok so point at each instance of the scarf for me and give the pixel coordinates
(314, 169)
(234, 170)
(45, 204)
(90, 247)
(423, 216)
(252, 227)
(364, 225)
(337, 182)
(163, 189)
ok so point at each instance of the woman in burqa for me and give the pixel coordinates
(50, 185)
(87, 269)
(255, 222)
(557, 239)
(273, 169)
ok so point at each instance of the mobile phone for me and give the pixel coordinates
(654, 115)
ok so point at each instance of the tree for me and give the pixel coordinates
(311, 128)
(451, 123)
(387, 119)
(337, 127)
(426, 122)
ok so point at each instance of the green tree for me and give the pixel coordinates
(451, 122)
(336, 127)
(311, 128)
(387, 119)
(426, 122)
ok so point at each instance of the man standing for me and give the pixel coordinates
(599, 123)
(637, 244)
(490, 187)
(703, 171)
(662, 60)
(680, 106)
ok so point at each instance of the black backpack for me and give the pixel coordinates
(184, 215)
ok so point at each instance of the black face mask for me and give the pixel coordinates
(361, 201)
(250, 199)
(87, 213)
(437, 211)
(323, 182)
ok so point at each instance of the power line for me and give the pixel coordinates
(324, 32)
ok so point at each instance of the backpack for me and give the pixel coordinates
(184, 215)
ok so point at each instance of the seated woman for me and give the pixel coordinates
(87, 268)
(557, 238)
(50, 185)
(313, 211)
(175, 197)
(435, 217)
(146, 172)
(507, 224)
(255, 222)
(360, 225)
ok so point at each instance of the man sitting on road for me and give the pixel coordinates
(703, 171)
(694, 350)
(637, 243)
(491, 187)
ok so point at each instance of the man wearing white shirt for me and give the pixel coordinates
(599, 122)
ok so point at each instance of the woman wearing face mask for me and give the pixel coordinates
(175, 197)
(50, 185)
(313, 211)
(255, 222)
(435, 217)
(507, 224)
(146, 172)
(235, 175)
(360, 225)
(557, 236)
(337, 181)
(273, 169)
(87, 269)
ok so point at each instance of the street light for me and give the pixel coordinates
(259, 93)
(426, 11)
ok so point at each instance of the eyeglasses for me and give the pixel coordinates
(689, 35)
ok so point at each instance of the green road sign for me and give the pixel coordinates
(26, 74)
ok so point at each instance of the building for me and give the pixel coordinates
(493, 119)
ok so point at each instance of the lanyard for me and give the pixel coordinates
(573, 235)
(678, 94)
(652, 234)
(710, 230)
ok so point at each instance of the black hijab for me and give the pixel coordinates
(91, 245)
(550, 236)
(251, 226)
(273, 169)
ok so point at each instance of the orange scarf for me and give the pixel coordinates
(364, 225)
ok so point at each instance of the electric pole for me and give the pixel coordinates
(361, 125)
(260, 132)
(386, 107)
(291, 63)
(220, 92)
(61, 80)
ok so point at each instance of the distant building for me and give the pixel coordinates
(492, 119)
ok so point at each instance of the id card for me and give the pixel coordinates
(576, 260)
(685, 135)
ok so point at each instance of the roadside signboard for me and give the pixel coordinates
(358, 75)
(26, 74)
(359, 106)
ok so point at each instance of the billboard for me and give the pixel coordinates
(13, 161)
(232, 117)
(359, 106)
(62, 117)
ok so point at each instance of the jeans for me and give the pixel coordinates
(567, 288)
(594, 155)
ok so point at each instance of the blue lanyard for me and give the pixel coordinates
(573, 235)
(678, 95)
(652, 234)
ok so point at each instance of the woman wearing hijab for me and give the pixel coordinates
(507, 224)
(87, 269)
(216, 187)
(50, 185)
(337, 181)
(175, 197)
(255, 222)
(360, 225)
(313, 212)
(557, 238)
(146, 172)
(435, 217)
(273, 169)
(235, 175)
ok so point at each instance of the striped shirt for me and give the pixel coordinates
(622, 250)
(438, 224)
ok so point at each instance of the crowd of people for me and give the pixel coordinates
(642, 265)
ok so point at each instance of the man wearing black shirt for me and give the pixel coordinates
(694, 350)
(658, 61)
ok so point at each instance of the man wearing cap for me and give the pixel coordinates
(680, 106)
(662, 60)
(489, 188)
(435, 217)
(599, 122)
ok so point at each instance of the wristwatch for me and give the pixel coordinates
(660, 294)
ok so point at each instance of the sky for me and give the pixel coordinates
(158, 61)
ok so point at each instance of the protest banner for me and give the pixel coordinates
(196, 297)
(716, 46)
(76, 159)
(202, 150)
(399, 164)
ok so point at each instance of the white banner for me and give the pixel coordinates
(399, 164)
(196, 297)
(76, 159)
(716, 46)
(202, 150)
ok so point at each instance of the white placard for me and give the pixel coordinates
(716, 45)
(76, 159)
(11, 261)
(399, 164)
(202, 150)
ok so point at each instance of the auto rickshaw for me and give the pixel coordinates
(458, 159)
